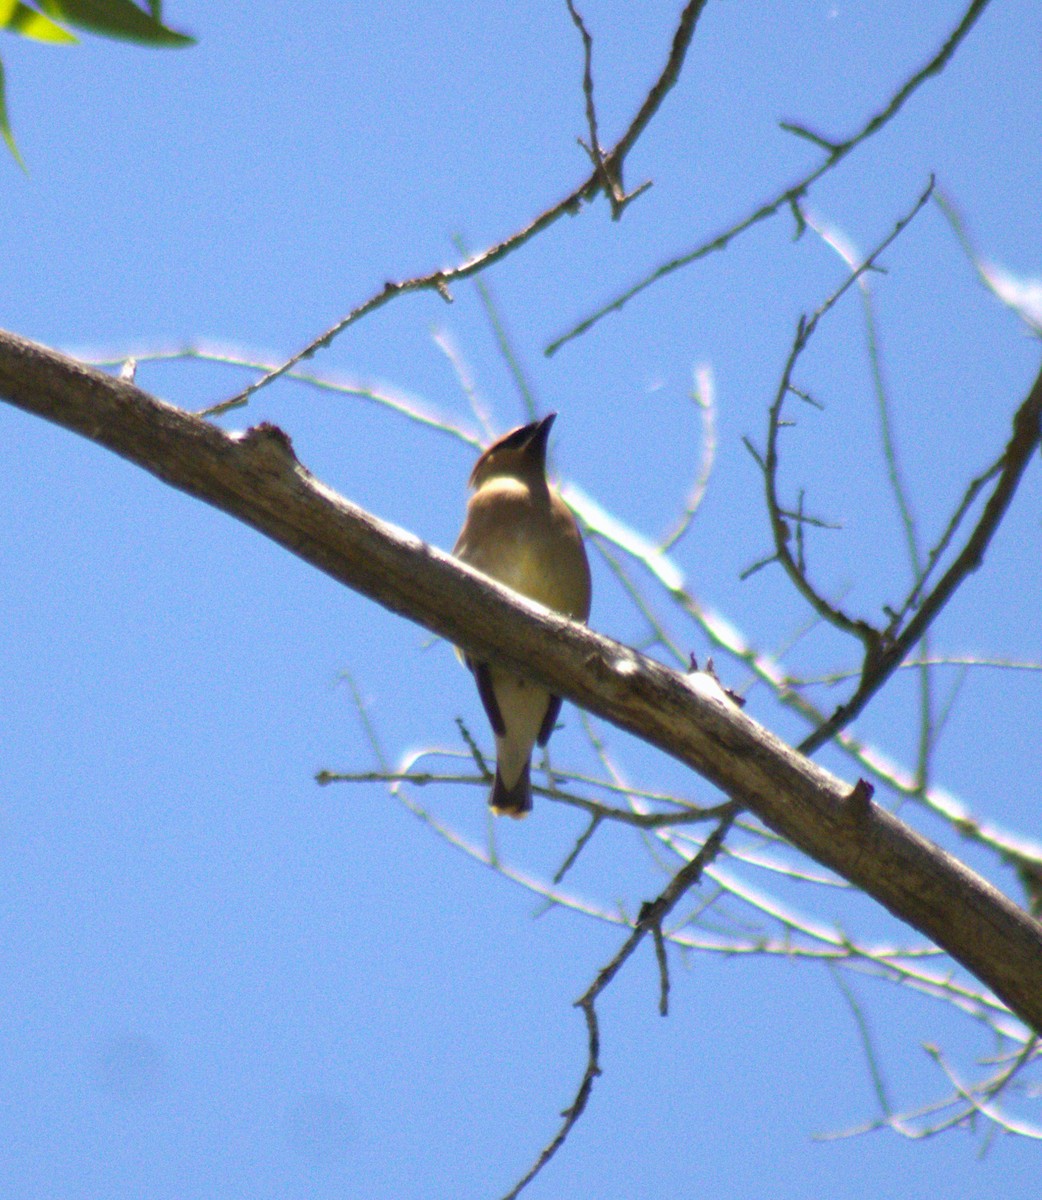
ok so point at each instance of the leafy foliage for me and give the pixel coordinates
(119, 19)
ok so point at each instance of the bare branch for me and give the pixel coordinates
(703, 396)
(792, 565)
(442, 280)
(865, 1034)
(609, 185)
(836, 151)
(577, 849)
(789, 691)
(504, 344)
(663, 85)
(1023, 444)
(650, 920)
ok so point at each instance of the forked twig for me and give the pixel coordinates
(652, 916)
(442, 280)
(1022, 445)
(769, 461)
(789, 198)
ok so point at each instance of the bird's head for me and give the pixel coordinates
(520, 453)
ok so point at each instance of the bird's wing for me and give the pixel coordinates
(483, 678)
(553, 711)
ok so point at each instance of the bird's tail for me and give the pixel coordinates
(515, 801)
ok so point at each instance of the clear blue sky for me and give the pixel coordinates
(221, 980)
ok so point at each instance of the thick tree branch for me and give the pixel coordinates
(256, 477)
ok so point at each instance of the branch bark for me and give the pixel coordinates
(255, 477)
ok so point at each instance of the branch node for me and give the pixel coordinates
(268, 441)
(798, 217)
(801, 131)
(859, 800)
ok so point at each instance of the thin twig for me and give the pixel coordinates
(703, 394)
(786, 689)
(840, 244)
(670, 74)
(654, 913)
(504, 342)
(687, 815)
(780, 528)
(446, 343)
(865, 1034)
(443, 279)
(577, 849)
(475, 750)
(609, 185)
(899, 489)
(893, 963)
(976, 1104)
(663, 968)
(973, 490)
(1022, 446)
(365, 720)
(788, 199)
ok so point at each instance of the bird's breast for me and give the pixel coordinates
(528, 542)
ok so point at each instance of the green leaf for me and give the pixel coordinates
(5, 126)
(27, 22)
(116, 19)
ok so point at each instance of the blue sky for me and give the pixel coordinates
(223, 980)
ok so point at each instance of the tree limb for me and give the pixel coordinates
(256, 477)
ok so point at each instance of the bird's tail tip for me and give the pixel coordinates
(513, 802)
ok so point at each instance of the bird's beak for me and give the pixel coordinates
(541, 435)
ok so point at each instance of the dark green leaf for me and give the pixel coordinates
(116, 19)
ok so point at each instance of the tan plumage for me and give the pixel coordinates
(520, 531)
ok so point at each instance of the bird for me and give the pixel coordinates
(520, 532)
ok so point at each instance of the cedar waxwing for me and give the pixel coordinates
(520, 531)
